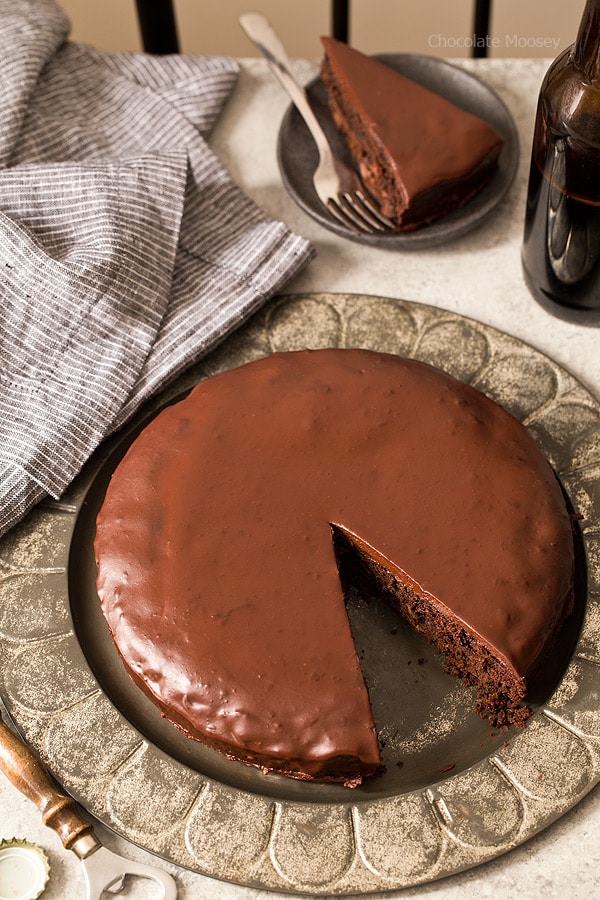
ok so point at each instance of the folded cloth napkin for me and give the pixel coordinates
(126, 250)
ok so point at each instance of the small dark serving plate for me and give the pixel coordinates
(298, 158)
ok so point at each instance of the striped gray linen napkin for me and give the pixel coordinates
(126, 249)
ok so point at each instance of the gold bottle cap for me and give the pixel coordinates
(24, 870)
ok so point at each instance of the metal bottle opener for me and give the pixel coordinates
(103, 870)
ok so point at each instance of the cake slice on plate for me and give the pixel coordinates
(419, 155)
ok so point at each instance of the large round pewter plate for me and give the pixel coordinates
(297, 153)
(454, 794)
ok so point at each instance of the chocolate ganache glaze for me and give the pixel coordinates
(217, 569)
(419, 155)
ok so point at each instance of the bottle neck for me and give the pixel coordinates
(586, 50)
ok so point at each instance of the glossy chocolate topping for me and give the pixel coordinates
(217, 573)
(425, 139)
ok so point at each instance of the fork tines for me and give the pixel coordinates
(356, 211)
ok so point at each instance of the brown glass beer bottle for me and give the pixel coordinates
(561, 244)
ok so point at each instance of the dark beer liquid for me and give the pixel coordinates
(561, 246)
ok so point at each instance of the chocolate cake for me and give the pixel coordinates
(419, 155)
(222, 529)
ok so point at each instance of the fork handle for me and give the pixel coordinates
(26, 771)
(263, 36)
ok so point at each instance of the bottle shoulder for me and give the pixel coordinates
(569, 101)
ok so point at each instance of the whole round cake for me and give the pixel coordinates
(223, 528)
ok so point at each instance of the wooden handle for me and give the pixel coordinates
(23, 767)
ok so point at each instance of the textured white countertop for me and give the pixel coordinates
(479, 276)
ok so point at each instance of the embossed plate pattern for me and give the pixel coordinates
(443, 809)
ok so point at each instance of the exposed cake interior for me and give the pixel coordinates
(501, 691)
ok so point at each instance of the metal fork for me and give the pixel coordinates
(338, 187)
